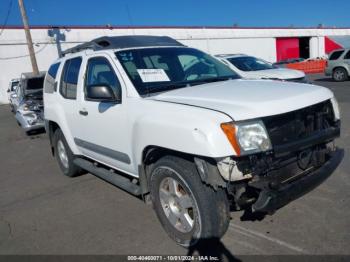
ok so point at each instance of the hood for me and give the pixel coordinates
(278, 73)
(248, 99)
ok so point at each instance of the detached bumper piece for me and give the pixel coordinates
(274, 197)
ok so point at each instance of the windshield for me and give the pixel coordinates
(249, 63)
(35, 83)
(162, 69)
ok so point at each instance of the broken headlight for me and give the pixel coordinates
(247, 137)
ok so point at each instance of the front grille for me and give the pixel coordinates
(300, 124)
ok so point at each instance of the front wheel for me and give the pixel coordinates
(187, 209)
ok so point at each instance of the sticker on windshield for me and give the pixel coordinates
(153, 75)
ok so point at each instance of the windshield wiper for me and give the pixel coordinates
(169, 87)
(211, 80)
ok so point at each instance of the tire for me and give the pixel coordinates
(340, 74)
(64, 155)
(188, 209)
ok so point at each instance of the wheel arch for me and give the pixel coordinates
(341, 67)
(51, 128)
(206, 166)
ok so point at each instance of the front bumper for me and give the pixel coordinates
(270, 200)
(34, 122)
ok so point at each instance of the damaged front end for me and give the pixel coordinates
(303, 155)
(30, 115)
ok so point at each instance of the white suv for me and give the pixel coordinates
(179, 128)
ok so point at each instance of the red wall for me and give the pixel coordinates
(287, 47)
(330, 45)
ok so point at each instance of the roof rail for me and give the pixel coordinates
(128, 41)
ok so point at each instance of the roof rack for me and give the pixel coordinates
(118, 42)
(226, 55)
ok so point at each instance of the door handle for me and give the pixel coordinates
(83, 112)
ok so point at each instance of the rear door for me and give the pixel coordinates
(68, 96)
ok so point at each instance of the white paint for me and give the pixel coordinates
(242, 99)
(256, 42)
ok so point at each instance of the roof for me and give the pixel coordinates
(128, 41)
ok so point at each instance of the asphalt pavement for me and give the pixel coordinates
(44, 212)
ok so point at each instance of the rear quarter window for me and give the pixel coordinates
(335, 55)
(347, 56)
(50, 80)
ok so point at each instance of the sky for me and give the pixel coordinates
(244, 13)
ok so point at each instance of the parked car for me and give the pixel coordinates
(179, 128)
(12, 88)
(338, 65)
(256, 68)
(27, 102)
(285, 62)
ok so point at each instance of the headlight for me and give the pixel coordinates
(25, 107)
(247, 137)
(30, 107)
(335, 108)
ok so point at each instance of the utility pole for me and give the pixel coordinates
(28, 37)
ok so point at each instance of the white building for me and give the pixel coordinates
(272, 44)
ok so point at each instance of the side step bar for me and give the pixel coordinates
(110, 177)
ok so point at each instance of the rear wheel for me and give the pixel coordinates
(64, 155)
(340, 74)
(188, 209)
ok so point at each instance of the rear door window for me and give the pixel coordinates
(335, 55)
(69, 78)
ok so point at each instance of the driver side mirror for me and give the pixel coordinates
(101, 93)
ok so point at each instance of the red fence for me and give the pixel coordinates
(309, 67)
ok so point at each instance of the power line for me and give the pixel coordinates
(21, 56)
(7, 17)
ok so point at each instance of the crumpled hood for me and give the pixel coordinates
(278, 73)
(248, 99)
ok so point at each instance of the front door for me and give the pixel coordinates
(103, 133)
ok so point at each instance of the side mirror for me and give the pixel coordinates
(8, 90)
(101, 93)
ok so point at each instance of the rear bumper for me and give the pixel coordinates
(270, 200)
